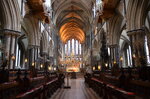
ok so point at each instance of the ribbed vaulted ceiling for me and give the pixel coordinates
(72, 18)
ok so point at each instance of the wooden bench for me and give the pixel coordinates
(118, 93)
(108, 91)
(8, 89)
(35, 92)
(41, 92)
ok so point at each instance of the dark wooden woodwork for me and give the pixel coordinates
(24, 87)
(108, 91)
(128, 81)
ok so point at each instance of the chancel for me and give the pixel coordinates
(74, 49)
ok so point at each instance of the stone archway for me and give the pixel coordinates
(10, 27)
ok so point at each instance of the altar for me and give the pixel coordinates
(72, 69)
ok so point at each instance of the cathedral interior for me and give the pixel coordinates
(74, 49)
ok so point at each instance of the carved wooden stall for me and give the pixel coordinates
(128, 86)
(30, 88)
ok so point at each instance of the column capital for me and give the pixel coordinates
(113, 45)
(33, 46)
(136, 31)
(44, 53)
(10, 32)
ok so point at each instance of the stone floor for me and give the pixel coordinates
(78, 91)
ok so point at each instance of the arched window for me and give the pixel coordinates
(125, 50)
(147, 51)
(2, 51)
(20, 56)
(126, 55)
(73, 47)
(41, 47)
(77, 47)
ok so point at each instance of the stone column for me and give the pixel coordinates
(114, 55)
(63, 51)
(33, 55)
(37, 54)
(78, 50)
(56, 52)
(45, 61)
(33, 61)
(67, 51)
(148, 40)
(82, 55)
(137, 38)
(10, 46)
(70, 47)
(75, 47)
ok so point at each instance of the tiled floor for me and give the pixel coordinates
(78, 91)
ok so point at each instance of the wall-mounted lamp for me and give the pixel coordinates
(26, 60)
(115, 62)
(54, 68)
(121, 58)
(93, 68)
(106, 64)
(41, 66)
(33, 64)
(13, 57)
(99, 67)
(49, 68)
(134, 56)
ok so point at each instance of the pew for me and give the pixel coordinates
(8, 89)
(40, 92)
(108, 91)
(142, 88)
(119, 93)
(31, 94)
(29, 87)
(12, 74)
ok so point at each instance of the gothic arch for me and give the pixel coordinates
(31, 26)
(115, 26)
(65, 5)
(44, 40)
(10, 14)
(51, 47)
(136, 13)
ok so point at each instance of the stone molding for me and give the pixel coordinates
(10, 32)
(136, 31)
